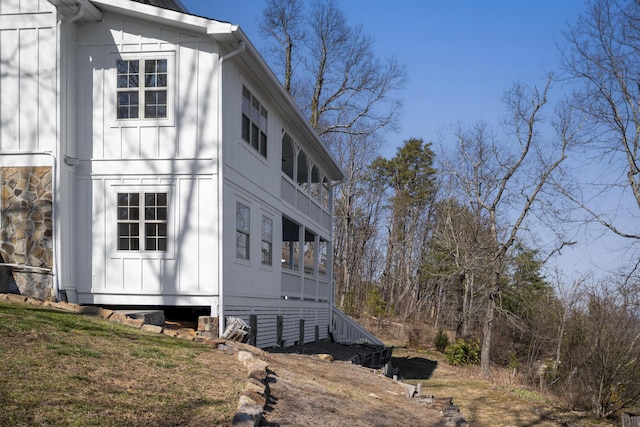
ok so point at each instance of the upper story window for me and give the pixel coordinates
(142, 89)
(254, 122)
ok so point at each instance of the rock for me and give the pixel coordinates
(255, 386)
(152, 328)
(245, 356)
(326, 357)
(247, 415)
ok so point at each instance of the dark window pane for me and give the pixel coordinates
(149, 214)
(161, 214)
(161, 66)
(123, 213)
(150, 80)
(162, 230)
(123, 244)
(263, 144)
(134, 67)
(150, 244)
(123, 230)
(135, 229)
(150, 230)
(150, 199)
(123, 81)
(122, 67)
(134, 214)
(162, 112)
(254, 136)
(162, 244)
(246, 128)
(123, 199)
(161, 199)
(161, 80)
(135, 244)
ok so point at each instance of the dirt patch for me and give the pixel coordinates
(305, 390)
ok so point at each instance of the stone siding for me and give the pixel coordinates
(26, 234)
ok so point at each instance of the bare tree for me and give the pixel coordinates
(503, 188)
(604, 58)
(283, 20)
(351, 90)
(350, 97)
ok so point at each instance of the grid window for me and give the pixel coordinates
(267, 241)
(243, 228)
(254, 122)
(131, 92)
(150, 228)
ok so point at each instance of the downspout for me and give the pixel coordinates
(54, 218)
(221, 318)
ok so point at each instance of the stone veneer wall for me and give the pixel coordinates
(26, 233)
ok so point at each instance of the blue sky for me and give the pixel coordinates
(460, 56)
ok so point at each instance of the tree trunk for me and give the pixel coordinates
(485, 366)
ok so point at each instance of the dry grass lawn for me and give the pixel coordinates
(66, 369)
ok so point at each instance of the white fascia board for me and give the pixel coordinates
(154, 14)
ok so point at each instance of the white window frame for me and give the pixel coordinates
(113, 221)
(243, 230)
(112, 90)
(267, 241)
(256, 116)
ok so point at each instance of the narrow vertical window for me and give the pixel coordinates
(254, 122)
(128, 221)
(267, 241)
(128, 93)
(155, 217)
(243, 221)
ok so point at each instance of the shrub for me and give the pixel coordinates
(463, 352)
(441, 341)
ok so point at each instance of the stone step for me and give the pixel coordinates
(150, 317)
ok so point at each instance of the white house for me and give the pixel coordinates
(150, 158)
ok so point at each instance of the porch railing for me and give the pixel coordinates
(348, 331)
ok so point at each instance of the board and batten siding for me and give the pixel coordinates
(28, 113)
(177, 155)
(184, 275)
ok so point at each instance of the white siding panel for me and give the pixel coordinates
(208, 236)
(130, 143)
(83, 242)
(168, 144)
(149, 142)
(9, 88)
(187, 238)
(132, 273)
(48, 90)
(152, 275)
(24, 6)
(28, 112)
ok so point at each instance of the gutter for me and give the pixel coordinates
(54, 219)
(221, 317)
